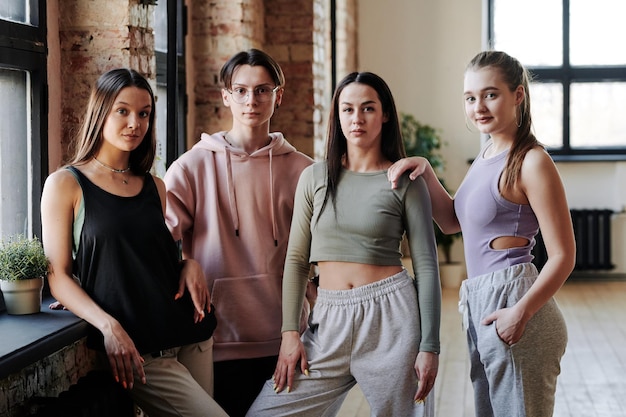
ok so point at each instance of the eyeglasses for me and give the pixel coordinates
(262, 93)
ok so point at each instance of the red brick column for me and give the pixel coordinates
(217, 30)
(283, 28)
(97, 36)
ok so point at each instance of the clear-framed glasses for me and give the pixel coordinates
(263, 93)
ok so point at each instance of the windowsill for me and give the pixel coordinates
(581, 158)
(29, 338)
(589, 158)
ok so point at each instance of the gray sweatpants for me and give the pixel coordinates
(517, 380)
(367, 335)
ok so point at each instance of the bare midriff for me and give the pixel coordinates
(348, 275)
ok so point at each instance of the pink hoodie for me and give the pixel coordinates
(232, 211)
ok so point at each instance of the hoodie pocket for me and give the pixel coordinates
(248, 309)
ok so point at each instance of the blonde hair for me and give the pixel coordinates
(514, 74)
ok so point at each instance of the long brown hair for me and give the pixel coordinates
(514, 74)
(101, 100)
(392, 146)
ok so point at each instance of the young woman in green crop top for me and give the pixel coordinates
(372, 324)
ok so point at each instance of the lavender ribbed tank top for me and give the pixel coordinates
(485, 215)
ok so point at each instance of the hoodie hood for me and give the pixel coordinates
(217, 143)
(278, 145)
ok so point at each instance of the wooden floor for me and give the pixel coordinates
(593, 375)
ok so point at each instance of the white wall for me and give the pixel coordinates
(421, 47)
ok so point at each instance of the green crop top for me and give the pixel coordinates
(366, 226)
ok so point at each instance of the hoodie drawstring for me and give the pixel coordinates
(272, 208)
(232, 195)
(231, 191)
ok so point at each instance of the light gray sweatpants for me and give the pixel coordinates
(367, 335)
(517, 380)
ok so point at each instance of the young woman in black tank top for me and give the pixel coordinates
(114, 262)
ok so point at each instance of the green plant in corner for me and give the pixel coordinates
(22, 258)
(424, 140)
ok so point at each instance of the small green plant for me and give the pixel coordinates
(22, 258)
(424, 140)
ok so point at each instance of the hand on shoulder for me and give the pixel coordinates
(416, 164)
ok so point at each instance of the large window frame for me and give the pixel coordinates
(171, 77)
(23, 47)
(566, 75)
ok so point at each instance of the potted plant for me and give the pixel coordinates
(424, 140)
(23, 266)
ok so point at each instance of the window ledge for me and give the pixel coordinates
(29, 338)
(589, 158)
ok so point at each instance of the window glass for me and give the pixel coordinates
(594, 28)
(546, 107)
(541, 45)
(597, 114)
(14, 10)
(161, 130)
(160, 43)
(160, 26)
(15, 181)
(573, 49)
(170, 83)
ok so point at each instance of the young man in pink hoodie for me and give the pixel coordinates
(230, 200)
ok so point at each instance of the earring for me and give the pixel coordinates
(521, 116)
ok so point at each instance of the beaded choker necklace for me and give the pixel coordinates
(115, 170)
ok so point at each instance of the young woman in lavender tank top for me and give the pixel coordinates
(515, 331)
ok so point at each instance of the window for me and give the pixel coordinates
(23, 111)
(170, 30)
(572, 48)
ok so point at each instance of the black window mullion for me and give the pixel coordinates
(567, 77)
(566, 74)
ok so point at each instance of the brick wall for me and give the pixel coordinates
(96, 36)
(283, 28)
(217, 30)
(347, 23)
(46, 378)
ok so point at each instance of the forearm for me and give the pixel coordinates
(75, 299)
(551, 278)
(294, 290)
(424, 257)
(442, 203)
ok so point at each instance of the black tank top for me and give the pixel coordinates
(128, 263)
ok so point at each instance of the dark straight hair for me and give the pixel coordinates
(392, 146)
(252, 57)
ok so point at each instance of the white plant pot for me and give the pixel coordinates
(452, 274)
(22, 296)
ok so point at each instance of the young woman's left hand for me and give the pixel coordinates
(291, 357)
(192, 278)
(426, 367)
(510, 324)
